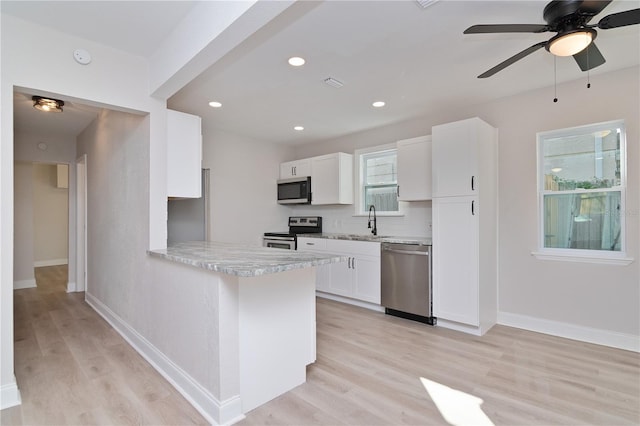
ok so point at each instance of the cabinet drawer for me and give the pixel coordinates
(364, 248)
(312, 244)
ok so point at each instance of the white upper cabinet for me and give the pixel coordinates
(297, 168)
(458, 148)
(332, 179)
(414, 169)
(184, 155)
(62, 175)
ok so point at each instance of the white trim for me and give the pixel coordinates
(598, 336)
(571, 256)
(10, 395)
(224, 412)
(465, 328)
(72, 287)
(355, 302)
(19, 285)
(50, 262)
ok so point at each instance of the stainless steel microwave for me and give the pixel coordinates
(294, 190)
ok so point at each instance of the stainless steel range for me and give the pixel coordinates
(297, 225)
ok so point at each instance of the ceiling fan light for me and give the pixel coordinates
(571, 43)
(47, 104)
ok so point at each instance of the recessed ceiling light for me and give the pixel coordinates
(378, 104)
(296, 61)
(298, 128)
(215, 104)
(556, 169)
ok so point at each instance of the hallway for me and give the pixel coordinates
(73, 368)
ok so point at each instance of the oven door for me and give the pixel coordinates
(286, 243)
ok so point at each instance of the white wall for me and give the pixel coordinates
(50, 217)
(243, 186)
(23, 273)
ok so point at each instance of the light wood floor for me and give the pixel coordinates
(372, 369)
(72, 368)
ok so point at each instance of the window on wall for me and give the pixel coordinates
(581, 181)
(378, 179)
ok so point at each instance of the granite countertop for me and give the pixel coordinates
(423, 241)
(242, 260)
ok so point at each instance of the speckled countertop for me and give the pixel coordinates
(423, 241)
(242, 260)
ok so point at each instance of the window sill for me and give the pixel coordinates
(583, 258)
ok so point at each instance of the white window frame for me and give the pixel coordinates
(358, 182)
(583, 255)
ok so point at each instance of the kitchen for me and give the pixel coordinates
(238, 162)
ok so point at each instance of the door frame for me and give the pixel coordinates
(81, 223)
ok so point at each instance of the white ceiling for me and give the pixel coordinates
(416, 60)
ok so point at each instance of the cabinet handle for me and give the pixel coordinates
(473, 183)
(349, 263)
(473, 212)
(353, 262)
(398, 190)
(310, 244)
(293, 170)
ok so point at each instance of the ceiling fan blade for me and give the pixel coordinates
(620, 19)
(506, 28)
(512, 59)
(589, 58)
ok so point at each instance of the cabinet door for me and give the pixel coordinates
(455, 158)
(455, 259)
(297, 168)
(414, 169)
(341, 280)
(367, 278)
(332, 179)
(184, 155)
(323, 272)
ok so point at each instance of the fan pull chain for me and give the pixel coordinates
(555, 79)
(588, 68)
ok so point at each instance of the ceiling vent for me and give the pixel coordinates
(425, 3)
(333, 82)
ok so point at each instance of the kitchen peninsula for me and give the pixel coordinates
(245, 321)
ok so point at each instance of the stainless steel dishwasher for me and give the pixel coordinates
(406, 281)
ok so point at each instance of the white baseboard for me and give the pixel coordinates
(217, 412)
(50, 262)
(19, 285)
(10, 395)
(598, 336)
(71, 287)
(362, 304)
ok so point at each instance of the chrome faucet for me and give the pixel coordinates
(374, 231)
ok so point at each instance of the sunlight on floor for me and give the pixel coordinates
(457, 407)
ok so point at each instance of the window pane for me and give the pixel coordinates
(380, 181)
(380, 169)
(589, 221)
(586, 160)
(384, 198)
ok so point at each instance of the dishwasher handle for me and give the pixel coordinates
(419, 253)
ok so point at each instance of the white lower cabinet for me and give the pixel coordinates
(358, 278)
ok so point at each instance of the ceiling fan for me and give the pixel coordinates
(570, 20)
